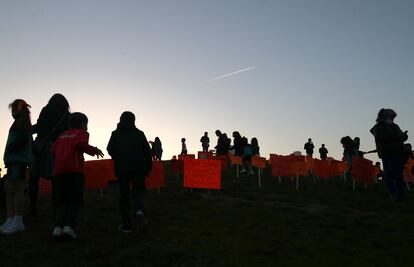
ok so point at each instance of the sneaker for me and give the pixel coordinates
(13, 228)
(142, 221)
(125, 228)
(68, 233)
(57, 232)
(5, 225)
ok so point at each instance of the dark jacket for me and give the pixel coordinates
(49, 118)
(130, 150)
(389, 139)
(18, 147)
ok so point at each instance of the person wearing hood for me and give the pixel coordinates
(389, 140)
(129, 148)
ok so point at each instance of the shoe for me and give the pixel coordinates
(125, 228)
(5, 225)
(243, 171)
(68, 233)
(251, 173)
(13, 228)
(142, 221)
(57, 232)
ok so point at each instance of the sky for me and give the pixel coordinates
(279, 70)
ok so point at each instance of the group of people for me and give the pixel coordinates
(57, 154)
(240, 147)
(62, 139)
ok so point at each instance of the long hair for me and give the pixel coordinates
(21, 114)
(59, 102)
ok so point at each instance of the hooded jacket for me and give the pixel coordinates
(129, 149)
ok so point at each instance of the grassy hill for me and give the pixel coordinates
(324, 224)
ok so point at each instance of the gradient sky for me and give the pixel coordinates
(319, 69)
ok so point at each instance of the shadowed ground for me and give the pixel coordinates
(324, 224)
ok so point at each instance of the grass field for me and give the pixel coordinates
(324, 224)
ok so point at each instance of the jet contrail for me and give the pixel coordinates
(230, 74)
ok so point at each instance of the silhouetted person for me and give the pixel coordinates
(323, 152)
(349, 150)
(17, 156)
(52, 121)
(227, 143)
(255, 147)
(131, 153)
(157, 149)
(408, 152)
(68, 174)
(205, 142)
(183, 147)
(309, 147)
(357, 143)
(389, 140)
(221, 144)
(237, 144)
(247, 157)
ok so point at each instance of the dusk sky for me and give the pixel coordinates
(281, 71)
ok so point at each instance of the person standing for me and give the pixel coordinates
(389, 140)
(309, 147)
(52, 121)
(129, 148)
(68, 174)
(17, 157)
(205, 142)
(157, 149)
(323, 152)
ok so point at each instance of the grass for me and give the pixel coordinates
(324, 224)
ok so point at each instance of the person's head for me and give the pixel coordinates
(386, 115)
(157, 139)
(218, 133)
(323, 145)
(59, 102)
(346, 141)
(21, 113)
(254, 142)
(127, 117)
(236, 134)
(310, 140)
(205, 133)
(78, 120)
(244, 141)
(182, 140)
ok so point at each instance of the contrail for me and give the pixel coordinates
(230, 74)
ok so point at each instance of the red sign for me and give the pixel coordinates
(204, 173)
(258, 162)
(321, 168)
(156, 180)
(98, 173)
(362, 170)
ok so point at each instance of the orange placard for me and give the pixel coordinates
(321, 168)
(204, 173)
(188, 156)
(362, 170)
(98, 173)
(409, 171)
(156, 180)
(337, 168)
(258, 162)
(205, 155)
(281, 166)
(235, 160)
